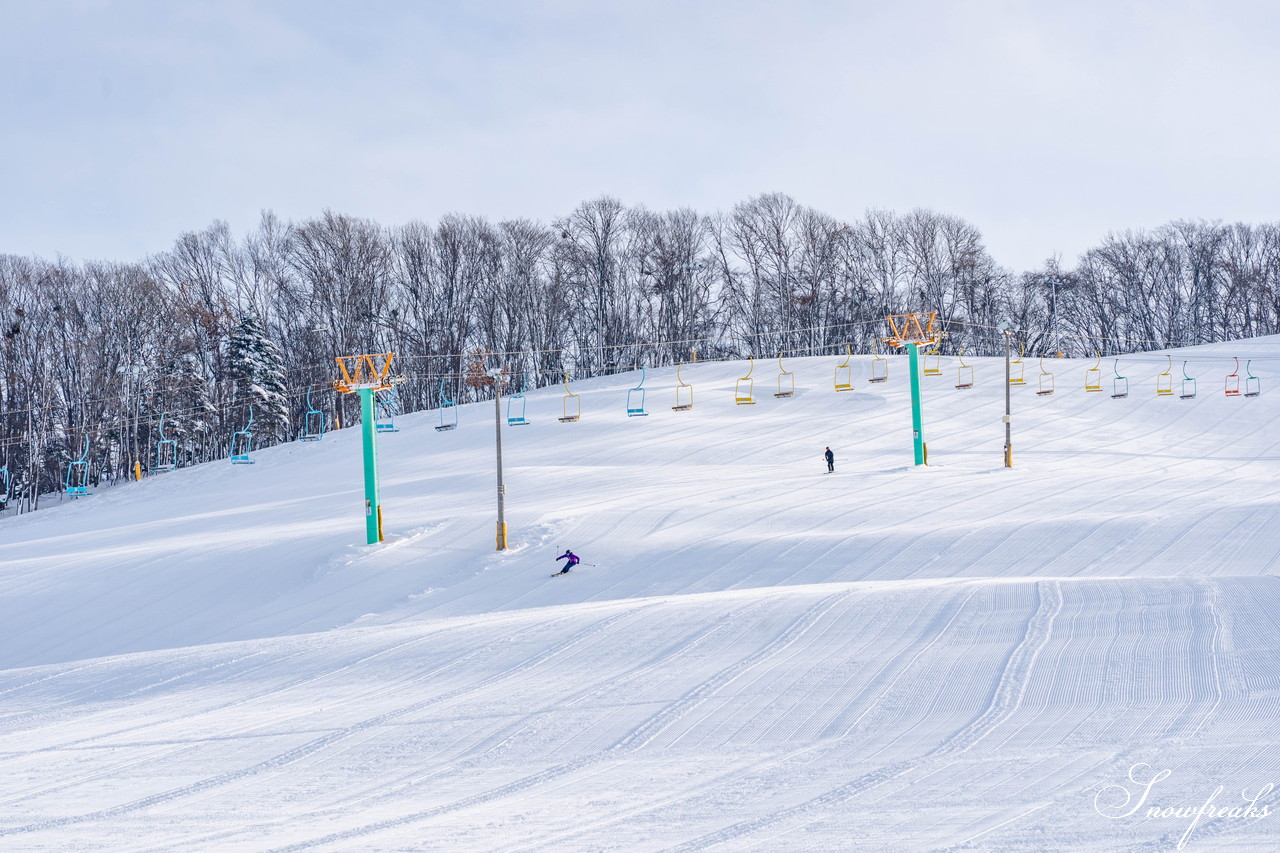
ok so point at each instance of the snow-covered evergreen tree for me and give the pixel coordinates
(192, 417)
(258, 370)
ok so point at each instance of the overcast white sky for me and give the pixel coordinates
(1045, 124)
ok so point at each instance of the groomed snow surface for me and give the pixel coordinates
(757, 655)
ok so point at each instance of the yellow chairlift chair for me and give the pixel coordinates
(1017, 370)
(879, 366)
(786, 381)
(684, 401)
(743, 388)
(1046, 381)
(571, 412)
(844, 372)
(1093, 376)
(933, 362)
(1164, 382)
(964, 373)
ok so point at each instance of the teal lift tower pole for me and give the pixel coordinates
(917, 415)
(369, 430)
(366, 375)
(913, 331)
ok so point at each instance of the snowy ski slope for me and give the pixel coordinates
(760, 656)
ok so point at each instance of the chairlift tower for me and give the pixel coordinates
(914, 331)
(1003, 327)
(497, 375)
(366, 375)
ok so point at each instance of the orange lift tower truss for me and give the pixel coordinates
(914, 331)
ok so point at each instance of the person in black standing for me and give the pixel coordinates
(831, 461)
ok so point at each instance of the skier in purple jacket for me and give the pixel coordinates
(571, 557)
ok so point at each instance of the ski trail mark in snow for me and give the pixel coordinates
(644, 734)
(634, 741)
(504, 737)
(1005, 700)
(1012, 686)
(312, 747)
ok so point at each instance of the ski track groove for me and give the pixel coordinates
(824, 744)
(1210, 592)
(1007, 695)
(186, 746)
(314, 746)
(172, 679)
(507, 735)
(632, 742)
(474, 752)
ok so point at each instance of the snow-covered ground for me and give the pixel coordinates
(759, 656)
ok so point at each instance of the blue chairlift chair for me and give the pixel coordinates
(448, 411)
(1188, 385)
(516, 404)
(635, 398)
(166, 451)
(386, 410)
(313, 422)
(242, 443)
(78, 474)
(1119, 385)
